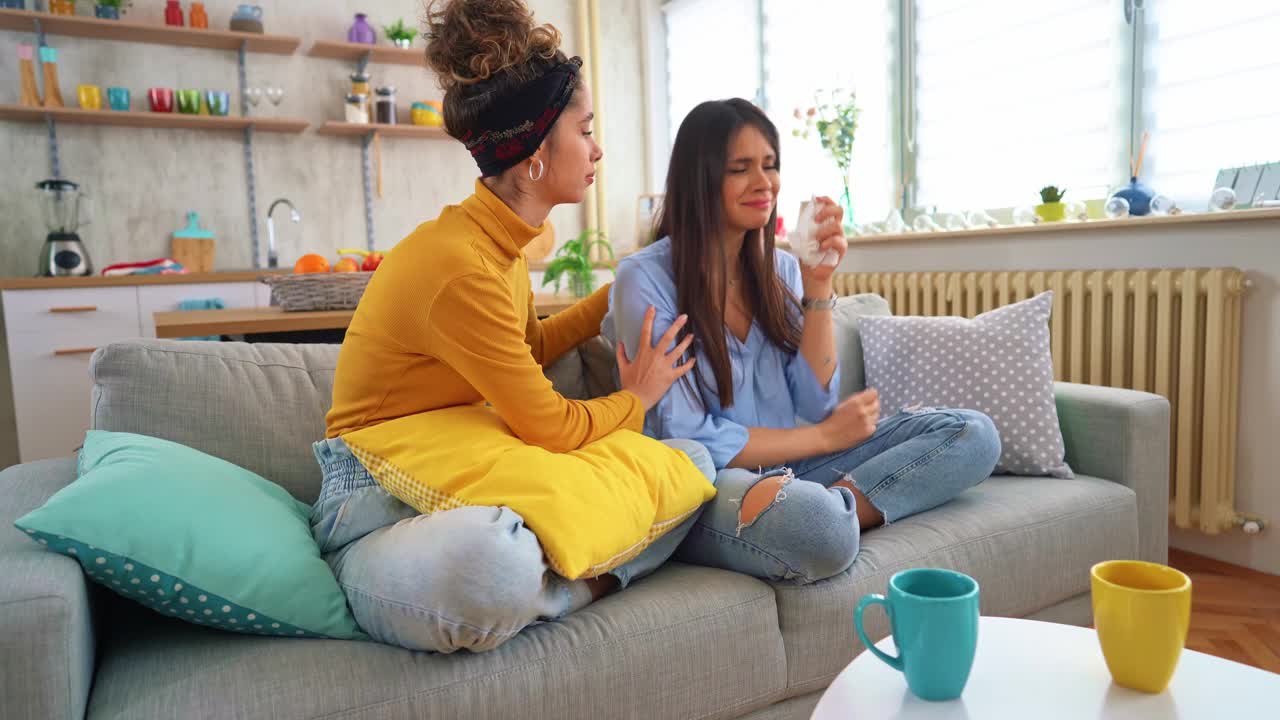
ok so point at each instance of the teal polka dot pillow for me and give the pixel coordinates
(193, 537)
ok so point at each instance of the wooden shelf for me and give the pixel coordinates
(94, 281)
(128, 31)
(381, 54)
(333, 127)
(22, 113)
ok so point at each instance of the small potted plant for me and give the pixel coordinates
(111, 9)
(400, 35)
(573, 260)
(1051, 208)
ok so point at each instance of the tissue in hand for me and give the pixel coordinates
(804, 239)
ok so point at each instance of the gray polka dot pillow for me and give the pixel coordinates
(998, 363)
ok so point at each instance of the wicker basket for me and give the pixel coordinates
(317, 291)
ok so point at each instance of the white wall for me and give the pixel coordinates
(144, 181)
(1253, 246)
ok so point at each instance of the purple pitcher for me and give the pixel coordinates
(361, 31)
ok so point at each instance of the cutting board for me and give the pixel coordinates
(193, 246)
(194, 254)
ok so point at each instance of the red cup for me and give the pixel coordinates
(161, 99)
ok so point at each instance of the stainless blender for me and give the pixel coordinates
(64, 254)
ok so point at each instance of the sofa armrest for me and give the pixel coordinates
(46, 625)
(1122, 436)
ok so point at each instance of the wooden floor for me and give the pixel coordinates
(1235, 612)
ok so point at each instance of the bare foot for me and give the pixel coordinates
(601, 586)
(868, 516)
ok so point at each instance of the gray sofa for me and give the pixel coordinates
(687, 642)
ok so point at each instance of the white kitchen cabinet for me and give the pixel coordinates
(52, 333)
(72, 310)
(51, 398)
(166, 298)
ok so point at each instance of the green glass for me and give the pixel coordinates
(189, 102)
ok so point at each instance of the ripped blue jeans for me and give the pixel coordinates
(464, 579)
(915, 461)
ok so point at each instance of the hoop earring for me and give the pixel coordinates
(542, 170)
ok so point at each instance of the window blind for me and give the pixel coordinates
(1209, 98)
(818, 45)
(1014, 95)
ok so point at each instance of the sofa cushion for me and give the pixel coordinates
(190, 535)
(567, 376)
(684, 642)
(849, 310)
(259, 406)
(999, 363)
(600, 366)
(1029, 542)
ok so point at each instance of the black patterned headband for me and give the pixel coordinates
(514, 126)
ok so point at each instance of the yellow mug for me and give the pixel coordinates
(1141, 611)
(90, 96)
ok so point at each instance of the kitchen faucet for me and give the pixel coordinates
(273, 259)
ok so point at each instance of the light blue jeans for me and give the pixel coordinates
(915, 461)
(469, 578)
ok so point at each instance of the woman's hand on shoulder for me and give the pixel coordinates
(654, 370)
(830, 231)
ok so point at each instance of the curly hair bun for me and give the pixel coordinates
(471, 41)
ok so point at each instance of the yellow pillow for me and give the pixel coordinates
(592, 509)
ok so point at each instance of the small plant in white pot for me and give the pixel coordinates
(400, 34)
(573, 260)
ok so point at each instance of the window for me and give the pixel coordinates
(1208, 93)
(812, 46)
(713, 51)
(1012, 95)
(977, 104)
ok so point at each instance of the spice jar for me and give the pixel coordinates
(360, 86)
(357, 109)
(386, 106)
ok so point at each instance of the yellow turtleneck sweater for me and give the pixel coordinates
(448, 319)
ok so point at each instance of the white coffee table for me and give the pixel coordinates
(1028, 669)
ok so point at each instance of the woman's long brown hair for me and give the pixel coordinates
(693, 217)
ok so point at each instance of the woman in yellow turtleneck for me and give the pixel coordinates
(448, 321)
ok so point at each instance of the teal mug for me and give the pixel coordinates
(118, 98)
(934, 616)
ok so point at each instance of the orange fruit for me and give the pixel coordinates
(311, 263)
(346, 264)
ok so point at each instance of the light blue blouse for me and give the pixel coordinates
(771, 388)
